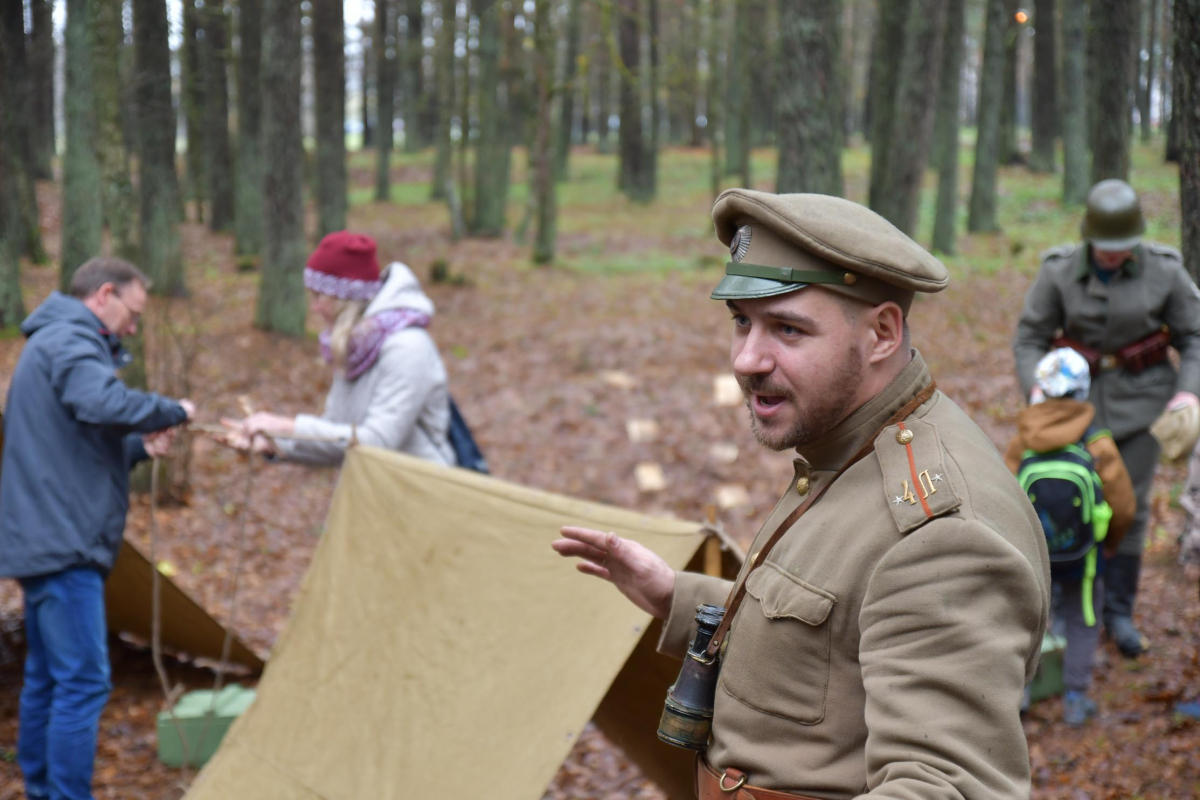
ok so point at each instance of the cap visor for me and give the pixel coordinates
(742, 287)
(1115, 245)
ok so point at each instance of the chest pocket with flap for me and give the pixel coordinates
(777, 661)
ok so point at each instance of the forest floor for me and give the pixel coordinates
(548, 365)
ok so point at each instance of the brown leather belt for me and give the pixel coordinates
(731, 785)
(1133, 357)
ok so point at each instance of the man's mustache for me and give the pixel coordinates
(761, 385)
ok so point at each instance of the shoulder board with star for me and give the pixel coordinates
(1060, 252)
(916, 482)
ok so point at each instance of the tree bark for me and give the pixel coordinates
(492, 144)
(946, 138)
(368, 84)
(713, 92)
(108, 35)
(214, 64)
(19, 91)
(738, 92)
(635, 180)
(248, 207)
(1074, 105)
(41, 70)
(604, 79)
(281, 301)
(982, 215)
(1009, 150)
(444, 71)
(913, 118)
(193, 91)
(413, 85)
(570, 87)
(81, 203)
(547, 209)
(12, 162)
(1045, 88)
(158, 187)
(810, 100)
(1147, 92)
(885, 57)
(1187, 76)
(385, 92)
(329, 68)
(1115, 25)
(654, 30)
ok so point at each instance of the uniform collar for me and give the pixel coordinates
(1132, 266)
(834, 449)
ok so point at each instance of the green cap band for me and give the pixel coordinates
(790, 275)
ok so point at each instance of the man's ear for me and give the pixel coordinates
(886, 323)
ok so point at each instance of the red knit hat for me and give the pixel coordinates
(344, 265)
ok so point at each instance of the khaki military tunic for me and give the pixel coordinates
(1149, 291)
(883, 646)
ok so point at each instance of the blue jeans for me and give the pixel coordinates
(66, 683)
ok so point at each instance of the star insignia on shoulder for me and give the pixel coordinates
(897, 500)
(937, 478)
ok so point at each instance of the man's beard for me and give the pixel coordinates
(823, 408)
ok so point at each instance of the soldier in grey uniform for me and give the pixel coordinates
(1121, 302)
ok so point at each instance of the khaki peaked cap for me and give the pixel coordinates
(818, 239)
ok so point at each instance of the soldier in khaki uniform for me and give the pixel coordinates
(882, 645)
(1120, 302)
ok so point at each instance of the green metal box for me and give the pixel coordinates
(1048, 681)
(190, 713)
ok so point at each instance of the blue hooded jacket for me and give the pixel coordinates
(72, 432)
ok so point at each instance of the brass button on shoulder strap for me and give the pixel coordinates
(802, 485)
(904, 437)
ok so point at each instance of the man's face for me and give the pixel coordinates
(121, 308)
(799, 361)
(1110, 259)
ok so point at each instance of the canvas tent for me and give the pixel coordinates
(439, 648)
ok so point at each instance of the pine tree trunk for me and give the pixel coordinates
(464, 107)
(547, 210)
(738, 93)
(412, 88)
(492, 144)
(1009, 151)
(162, 258)
(761, 40)
(368, 86)
(1187, 76)
(193, 86)
(1148, 89)
(1074, 105)
(713, 92)
(810, 102)
(81, 209)
(570, 87)
(444, 59)
(1115, 24)
(248, 207)
(41, 70)
(281, 300)
(329, 67)
(687, 88)
(1045, 88)
(651, 161)
(12, 309)
(982, 216)
(604, 75)
(214, 64)
(946, 138)
(885, 57)
(107, 35)
(631, 144)
(19, 97)
(385, 92)
(912, 124)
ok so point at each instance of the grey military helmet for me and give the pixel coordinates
(1114, 218)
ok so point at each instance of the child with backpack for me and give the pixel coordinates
(1081, 491)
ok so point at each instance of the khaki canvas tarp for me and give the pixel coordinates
(186, 627)
(440, 648)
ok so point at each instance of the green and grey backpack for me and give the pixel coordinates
(1067, 494)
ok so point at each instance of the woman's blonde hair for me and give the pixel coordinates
(349, 315)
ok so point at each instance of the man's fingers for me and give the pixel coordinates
(595, 570)
(569, 548)
(597, 539)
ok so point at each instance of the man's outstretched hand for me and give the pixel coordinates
(640, 574)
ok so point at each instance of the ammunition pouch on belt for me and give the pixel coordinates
(1133, 357)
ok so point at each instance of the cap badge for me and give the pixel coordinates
(740, 244)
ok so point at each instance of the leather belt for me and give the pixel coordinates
(731, 785)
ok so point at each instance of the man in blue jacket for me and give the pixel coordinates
(72, 432)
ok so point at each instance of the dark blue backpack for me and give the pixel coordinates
(466, 451)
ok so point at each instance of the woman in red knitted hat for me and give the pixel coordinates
(389, 383)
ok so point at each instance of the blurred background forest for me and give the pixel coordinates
(546, 167)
